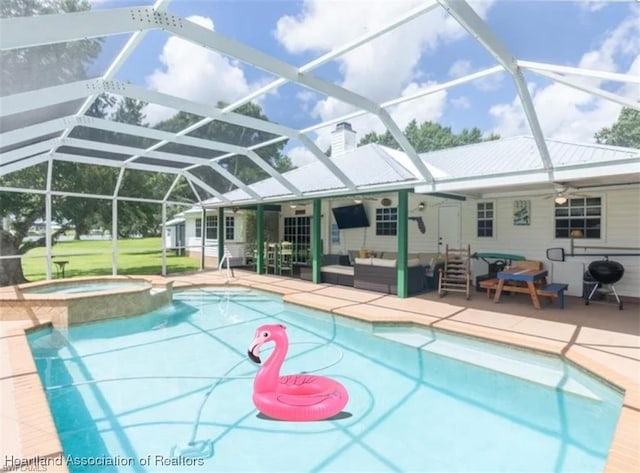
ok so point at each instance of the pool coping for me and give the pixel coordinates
(31, 421)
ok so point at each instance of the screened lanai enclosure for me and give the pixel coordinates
(120, 119)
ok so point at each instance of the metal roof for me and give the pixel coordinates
(39, 126)
(368, 167)
(462, 168)
(515, 161)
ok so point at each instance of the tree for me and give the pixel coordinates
(28, 69)
(44, 66)
(624, 132)
(428, 136)
(224, 132)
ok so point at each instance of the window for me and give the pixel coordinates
(485, 219)
(229, 228)
(579, 217)
(387, 221)
(335, 234)
(212, 227)
(198, 227)
(297, 230)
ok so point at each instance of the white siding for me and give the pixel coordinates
(621, 227)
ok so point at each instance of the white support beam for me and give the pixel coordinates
(54, 96)
(74, 158)
(39, 98)
(22, 190)
(123, 55)
(29, 132)
(138, 93)
(602, 75)
(160, 135)
(171, 187)
(625, 102)
(23, 32)
(200, 35)
(277, 176)
(405, 18)
(402, 140)
(196, 180)
(476, 27)
(194, 190)
(115, 148)
(23, 164)
(116, 188)
(202, 109)
(167, 137)
(212, 40)
(423, 93)
(339, 51)
(25, 151)
(48, 218)
(323, 158)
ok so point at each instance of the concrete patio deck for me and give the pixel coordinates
(598, 337)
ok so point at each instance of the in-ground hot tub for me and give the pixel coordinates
(80, 300)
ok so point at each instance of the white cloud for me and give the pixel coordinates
(428, 108)
(195, 73)
(391, 59)
(491, 82)
(460, 68)
(592, 5)
(569, 114)
(461, 102)
(300, 156)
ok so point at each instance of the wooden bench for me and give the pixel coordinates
(489, 284)
(554, 290)
(550, 290)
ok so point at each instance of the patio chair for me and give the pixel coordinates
(286, 257)
(456, 274)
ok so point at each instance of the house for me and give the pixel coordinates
(496, 196)
(186, 234)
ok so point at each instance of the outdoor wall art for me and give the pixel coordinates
(521, 212)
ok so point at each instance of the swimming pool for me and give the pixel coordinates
(130, 392)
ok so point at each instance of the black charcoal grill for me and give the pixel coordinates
(606, 273)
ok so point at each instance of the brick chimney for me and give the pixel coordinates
(343, 139)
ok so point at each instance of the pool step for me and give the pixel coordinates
(551, 376)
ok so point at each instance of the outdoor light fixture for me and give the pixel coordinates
(421, 206)
(293, 206)
(560, 199)
(357, 201)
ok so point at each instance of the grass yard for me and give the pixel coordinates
(93, 258)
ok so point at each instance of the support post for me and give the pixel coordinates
(316, 242)
(114, 236)
(260, 239)
(403, 243)
(221, 223)
(47, 220)
(203, 241)
(163, 241)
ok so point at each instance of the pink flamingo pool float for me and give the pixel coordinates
(297, 397)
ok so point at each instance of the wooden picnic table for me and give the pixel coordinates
(509, 279)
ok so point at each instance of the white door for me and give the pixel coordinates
(448, 227)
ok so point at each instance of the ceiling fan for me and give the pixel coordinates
(358, 199)
(563, 192)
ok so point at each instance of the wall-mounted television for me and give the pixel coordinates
(350, 216)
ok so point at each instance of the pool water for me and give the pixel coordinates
(79, 287)
(129, 392)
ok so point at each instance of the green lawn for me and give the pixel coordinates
(93, 258)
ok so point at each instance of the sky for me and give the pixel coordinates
(431, 49)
